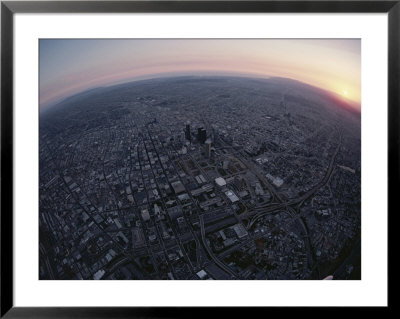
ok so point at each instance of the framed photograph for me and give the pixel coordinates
(160, 155)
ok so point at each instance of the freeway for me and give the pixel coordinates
(299, 200)
(219, 263)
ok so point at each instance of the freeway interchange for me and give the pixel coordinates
(130, 189)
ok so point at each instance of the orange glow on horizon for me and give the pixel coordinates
(331, 65)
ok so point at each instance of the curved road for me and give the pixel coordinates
(302, 198)
(219, 263)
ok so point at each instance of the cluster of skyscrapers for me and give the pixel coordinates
(199, 179)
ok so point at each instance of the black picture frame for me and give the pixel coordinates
(9, 8)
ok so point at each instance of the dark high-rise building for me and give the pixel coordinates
(201, 135)
(187, 132)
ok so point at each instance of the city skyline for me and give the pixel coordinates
(68, 67)
(200, 159)
(200, 178)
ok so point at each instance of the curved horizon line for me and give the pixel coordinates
(53, 102)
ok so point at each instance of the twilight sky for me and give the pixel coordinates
(71, 66)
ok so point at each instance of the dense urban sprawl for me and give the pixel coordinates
(200, 178)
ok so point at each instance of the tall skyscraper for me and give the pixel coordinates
(201, 135)
(187, 132)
